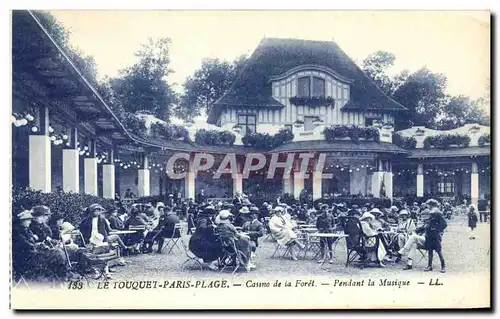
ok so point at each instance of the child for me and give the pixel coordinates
(472, 215)
(433, 236)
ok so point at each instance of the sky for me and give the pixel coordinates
(454, 43)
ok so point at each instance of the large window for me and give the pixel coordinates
(446, 185)
(311, 86)
(248, 122)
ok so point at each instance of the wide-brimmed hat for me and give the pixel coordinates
(96, 208)
(254, 209)
(160, 204)
(278, 209)
(223, 215)
(324, 206)
(40, 210)
(244, 210)
(432, 203)
(404, 212)
(394, 208)
(67, 227)
(366, 215)
(376, 211)
(24, 215)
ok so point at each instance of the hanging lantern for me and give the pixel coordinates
(68, 144)
(65, 137)
(52, 138)
(34, 129)
(85, 147)
(23, 122)
(17, 123)
(51, 130)
(87, 153)
(29, 117)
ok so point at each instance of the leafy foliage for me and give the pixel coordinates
(70, 205)
(213, 137)
(169, 131)
(313, 101)
(483, 140)
(446, 140)
(353, 132)
(134, 124)
(267, 141)
(407, 143)
(423, 93)
(143, 86)
(207, 85)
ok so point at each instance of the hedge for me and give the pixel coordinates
(353, 132)
(407, 143)
(70, 205)
(169, 131)
(213, 137)
(266, 141)
(446, 140)
(483, 140)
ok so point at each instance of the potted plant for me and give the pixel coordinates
(237, 129)
(317, 122)
(419, 132)
(388, 125)
(474, 129)
(298, 123)
(377, 124)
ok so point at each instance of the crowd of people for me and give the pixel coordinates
(42, 241)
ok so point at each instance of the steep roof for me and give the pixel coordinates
(274, 56)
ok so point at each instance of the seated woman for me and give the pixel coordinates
(32, 258)
(282, 230)
(204, 243)
(114, 220)
(369, 230)
(231, 239)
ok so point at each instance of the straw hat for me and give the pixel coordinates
(244, 210)
(403, 212)
(25, 215)
(376, 211)
(394, 208)
(223, 215)
(366, 215)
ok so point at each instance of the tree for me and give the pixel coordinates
(376, 66)
(143, 86)
(423, 94)
(207, 85)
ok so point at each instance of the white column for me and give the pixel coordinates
(40, 163)
(90, 175)
(377, 178)
(143, 182)
(108, 181)
(317, 184)
(288, 185)
(298, 184)
(238, 183)
(71, 171)
(358, 181)
(474, 184)
(190, 181)
(420, 180)
(388, 184)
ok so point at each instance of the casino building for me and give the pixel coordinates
(66, 136)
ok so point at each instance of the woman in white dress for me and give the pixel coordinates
(366, 224)
(282, 230)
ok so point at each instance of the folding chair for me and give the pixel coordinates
(268, 231)
(229, 259)
(286, 248)
(357, 243)
(139, 229)
(190, 257)
(423, 254)
(173, 240)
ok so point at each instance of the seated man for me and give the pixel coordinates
(232, 240)
(254, 228)
(167, 227)
(135, 220)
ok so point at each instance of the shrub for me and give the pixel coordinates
(483, 140)
(354, 132)
(169, 131)
(407, 143)
(446, 140)
(313, 101)
(213, 137)
(70, 205)
(134, 124)
(266, 141)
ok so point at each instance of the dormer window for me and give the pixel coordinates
(311, 84)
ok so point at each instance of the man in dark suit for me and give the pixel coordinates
(167, 226)
(39, 226)
(254, 228)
